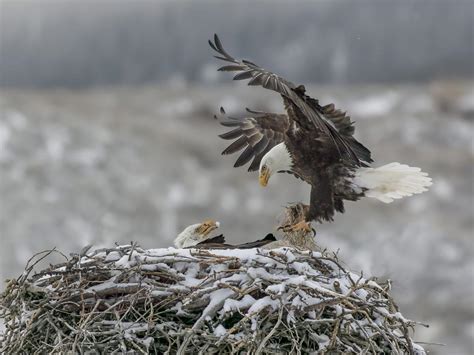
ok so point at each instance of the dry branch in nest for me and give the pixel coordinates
(183, 301)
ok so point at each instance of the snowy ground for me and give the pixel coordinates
(140, 164)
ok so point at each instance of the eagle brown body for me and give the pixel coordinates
(320, 139)
(328, 175)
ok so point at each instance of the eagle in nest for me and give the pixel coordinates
(199, 236)
(314, 143)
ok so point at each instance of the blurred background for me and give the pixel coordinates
(107, 132)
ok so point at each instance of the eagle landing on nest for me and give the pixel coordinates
(314, 143)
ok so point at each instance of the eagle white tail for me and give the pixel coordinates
(392, 181)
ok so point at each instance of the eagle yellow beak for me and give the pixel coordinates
(207, 227)
(264, 177)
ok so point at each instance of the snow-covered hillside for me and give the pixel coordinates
(140, 164)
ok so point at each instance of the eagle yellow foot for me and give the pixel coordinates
(301, 226)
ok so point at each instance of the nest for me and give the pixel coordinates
(127, 299)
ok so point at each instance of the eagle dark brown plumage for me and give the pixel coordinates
(219, 243)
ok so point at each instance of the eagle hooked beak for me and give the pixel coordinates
(207, 227)
(264, 176)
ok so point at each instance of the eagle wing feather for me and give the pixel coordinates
(334, 124)
(257, 134)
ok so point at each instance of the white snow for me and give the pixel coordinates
(220, 331)
(262, 303)
(237, 305)
(113, 256)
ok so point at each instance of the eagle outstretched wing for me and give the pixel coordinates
(220, 239)
(349, 149)
(257, 134)
(219, 243)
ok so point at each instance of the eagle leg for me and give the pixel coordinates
(322, 204)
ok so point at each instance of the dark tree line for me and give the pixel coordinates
(82, 43)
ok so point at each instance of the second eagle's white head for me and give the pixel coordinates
(196, 233)
(277, 159)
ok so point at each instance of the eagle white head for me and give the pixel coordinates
(195, 234)
(277, 159)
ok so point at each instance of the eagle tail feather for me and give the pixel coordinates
(392, 181)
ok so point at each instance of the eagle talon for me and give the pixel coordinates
(301, 226)
(284, 228)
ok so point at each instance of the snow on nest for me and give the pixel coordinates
(169, 299)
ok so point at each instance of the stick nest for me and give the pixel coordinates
(127, 299)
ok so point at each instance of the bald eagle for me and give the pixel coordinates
(314, 143)
(199, 236)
